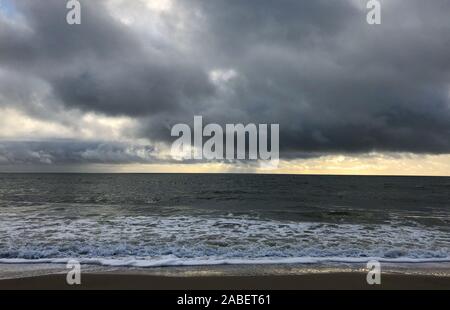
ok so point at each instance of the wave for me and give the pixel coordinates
(174, 261)
(148, 241)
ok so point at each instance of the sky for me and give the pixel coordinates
(102, 96)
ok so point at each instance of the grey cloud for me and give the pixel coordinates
(67, 152)
(132, 89)
(332, 82)
(99, 65)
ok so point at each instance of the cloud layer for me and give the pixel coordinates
(334, 83)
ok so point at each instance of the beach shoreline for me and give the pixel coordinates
(333, 281)
(224, 277)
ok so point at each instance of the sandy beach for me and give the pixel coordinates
(337, 281)
(271, 277)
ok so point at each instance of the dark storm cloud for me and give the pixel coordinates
(100, 65)
(73, 152)
(336, 84)
(332, 82)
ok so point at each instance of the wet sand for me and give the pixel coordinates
(226, 277)
(333, 281)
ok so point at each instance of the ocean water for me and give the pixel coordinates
(182, 219)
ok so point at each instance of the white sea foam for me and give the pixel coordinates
(174, 261)
(148, 241)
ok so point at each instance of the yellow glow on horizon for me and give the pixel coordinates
(371, 164)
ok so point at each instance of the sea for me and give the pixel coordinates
(158, 220)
